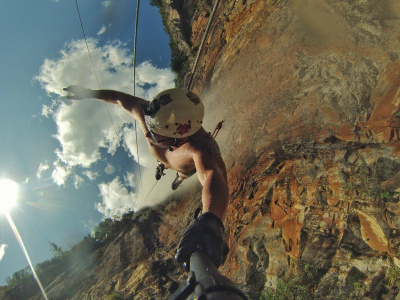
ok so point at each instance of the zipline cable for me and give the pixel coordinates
(91, 61)
(134, 89)
(202, 44)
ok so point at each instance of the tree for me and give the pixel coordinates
(56, 250)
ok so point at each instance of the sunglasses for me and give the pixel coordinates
(159, 138)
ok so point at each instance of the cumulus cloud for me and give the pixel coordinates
(117, 199)
(130, 179)
(2, 251)
(102, 30)
(84, 127)
(132, 194)
(78, 180)
(48, 110)
(42, 168)
(106, 3)
(91, 175)
(60, 172)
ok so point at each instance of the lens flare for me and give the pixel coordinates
(22, 245)
(8, 199)
(8, 195)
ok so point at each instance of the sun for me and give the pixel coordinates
(8, 195)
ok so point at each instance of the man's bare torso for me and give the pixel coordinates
(181, 158)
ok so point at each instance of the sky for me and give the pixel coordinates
(75, 161)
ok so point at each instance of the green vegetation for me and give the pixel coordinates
(61, 260)
(18, 278)
(50, 268)
(365, 183)
(57, 251)
(179, 63)
(115, 296)
(311, 272)
(389, 196)
(179, 59)
(157, 3)
(143, 215)
(392, 275)
(103, 230)
(359, 286)
(288, 290)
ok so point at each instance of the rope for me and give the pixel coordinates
(202, 43)
(91, 61)
(134, 89)
(151, 190)
(134, 48)
(134, 78)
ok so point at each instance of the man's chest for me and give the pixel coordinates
(179, 159)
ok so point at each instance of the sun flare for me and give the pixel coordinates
(8, 195)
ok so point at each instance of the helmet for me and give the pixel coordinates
(175, 113)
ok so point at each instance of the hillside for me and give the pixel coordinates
(309, 92)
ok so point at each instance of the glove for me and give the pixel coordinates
(206, 234)
(78, 92)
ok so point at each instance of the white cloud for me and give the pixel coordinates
(84, 127)
(117, 200)
(60, 173)
(102, 30)
(106, 3)
(131, 146)
(42, 167)
(130, 179)
(91, 175)
(2, 250)
(78, 180)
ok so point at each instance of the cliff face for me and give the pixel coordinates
(310, 93)
(312, 149)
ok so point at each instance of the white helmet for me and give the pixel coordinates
(175, 113)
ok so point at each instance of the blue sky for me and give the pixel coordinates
(73, 166)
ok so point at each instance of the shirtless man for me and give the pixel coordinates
(172, 125)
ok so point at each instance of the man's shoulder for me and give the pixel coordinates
(205, 143)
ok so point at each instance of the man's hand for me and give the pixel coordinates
(206, 234)
(78, 92)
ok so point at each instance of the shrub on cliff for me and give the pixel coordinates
(291, 289)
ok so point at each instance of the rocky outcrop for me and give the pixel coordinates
(310, 93)
(312, 149)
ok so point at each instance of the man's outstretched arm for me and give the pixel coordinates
(133, 105)
(207, 231)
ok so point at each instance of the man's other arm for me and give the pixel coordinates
(133, 105)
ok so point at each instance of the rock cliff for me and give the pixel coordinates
(309, 92)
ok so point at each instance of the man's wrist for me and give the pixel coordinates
(92, 93)
(210, 216)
